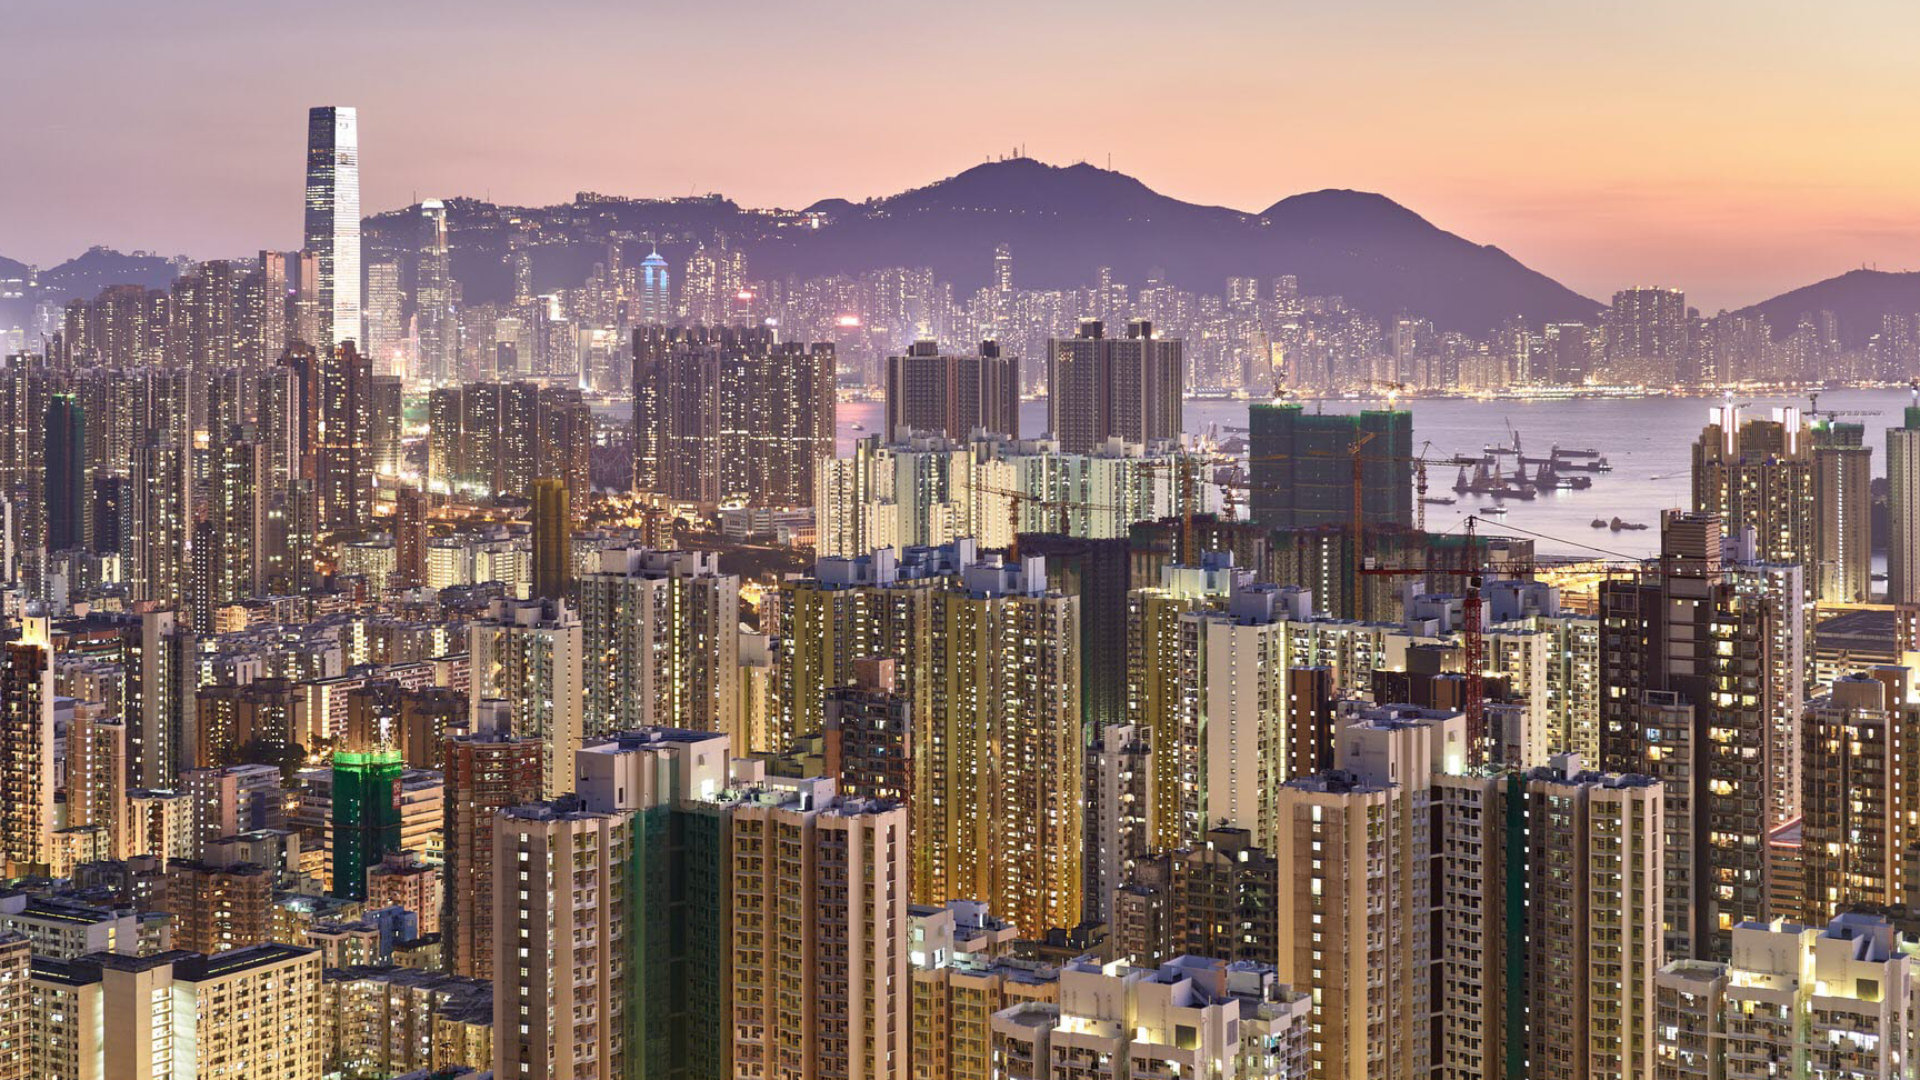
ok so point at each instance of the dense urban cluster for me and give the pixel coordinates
(381, 698)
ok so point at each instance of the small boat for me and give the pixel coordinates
(1599, 523)
(1494, 511)
(1439, 502)
(857, 426)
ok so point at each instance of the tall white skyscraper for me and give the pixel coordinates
(333, 219)
(433, 295)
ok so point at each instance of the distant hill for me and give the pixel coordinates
(1857, 298)
(1062, 223)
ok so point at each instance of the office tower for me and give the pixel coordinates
(552, 540)
(66, 483)
(1101, 388)
(1194, 1016)
(1302, 471)
(436, 326)
(661, 632)
(730, 413)
(1793, 1001)
(1859, 802)
(366, 816)
(333, 223)
(1594, 849)
(1647, 337)
(656, 290)
(386, 332)
(487, 770)
(218, 905)
(410, 537)
(250, 1014)
(1903, 507)
(27, 751)
(952, 396)
(1759, 475)
(529, 654)
(869, 735)
(339, 404)
(1694, 624)
(1842, 555)
(96, 779)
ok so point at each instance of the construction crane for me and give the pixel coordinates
(1814, 410)
(1015, 499)
(1472, 623)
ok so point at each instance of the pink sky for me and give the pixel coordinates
(1731, 149)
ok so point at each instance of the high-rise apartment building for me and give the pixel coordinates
(1792, 1001)
(529, 654)
(333, 222)
(1759, 475)
(386, 333)
(1903, 507)
(998, 781)
(952, 396)
(67, 487)
(552, 540)
(249, 1014)
(662, 640)
(1842, 555)
(1646, 335)
(96, 779)
(27, 773)
(1194, 1016)
(487, 770)
(1859, 805)
(1302, 466)
(1099, 388)
(1672, 643)
(730, 413)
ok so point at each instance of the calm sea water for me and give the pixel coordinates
(1648, 441)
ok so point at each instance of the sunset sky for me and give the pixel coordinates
(1731, 149)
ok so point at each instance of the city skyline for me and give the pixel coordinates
(1626, 160)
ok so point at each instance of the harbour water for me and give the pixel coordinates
(1648, 441)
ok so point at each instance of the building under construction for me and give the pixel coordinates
(1303, 466)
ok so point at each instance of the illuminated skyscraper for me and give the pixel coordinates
(1101, 388)
(26, 752)
(730, 413)
(434, 323)
(1647, 336)
(662, 642)
(552, 540)
(1843, 514)
(333, 222)
(952, 395)
(66, 473)
(1903, 507)
(528, 654)
(386, 332)
(656, 290)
